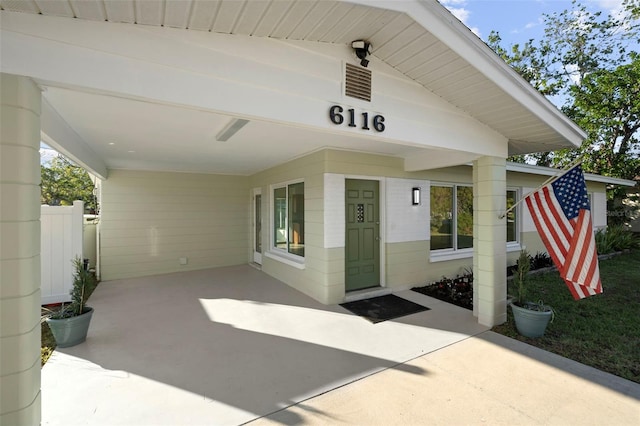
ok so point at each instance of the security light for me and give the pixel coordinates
(362, 49)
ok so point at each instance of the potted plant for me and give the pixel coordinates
(531, 318)
(70, 324)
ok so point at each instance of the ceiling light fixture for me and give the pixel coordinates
(230, 129)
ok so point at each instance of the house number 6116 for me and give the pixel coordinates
(337, 116)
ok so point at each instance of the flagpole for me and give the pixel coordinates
(557, 176)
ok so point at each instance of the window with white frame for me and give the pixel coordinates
(452, 217)
(288, 218)
(512, 217)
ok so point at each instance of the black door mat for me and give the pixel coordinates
(382, 308)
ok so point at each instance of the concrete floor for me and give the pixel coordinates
(233, 345)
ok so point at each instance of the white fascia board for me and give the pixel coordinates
(550, 171)
(56, 133)
(436, 19)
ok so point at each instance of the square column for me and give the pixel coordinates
(489, 241)
(19, 251)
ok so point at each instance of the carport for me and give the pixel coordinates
(239, 98)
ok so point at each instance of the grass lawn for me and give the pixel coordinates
(602, 331)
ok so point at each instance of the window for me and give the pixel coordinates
(288, 216)
(512, 216)
(451, 217)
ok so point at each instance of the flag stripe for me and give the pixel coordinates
(577, 250)
(555, 242)
(562, 216)
(541, 226)
(560, 219)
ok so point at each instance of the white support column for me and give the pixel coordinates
(19, 251)
(489, 240)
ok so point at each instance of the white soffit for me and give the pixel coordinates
(448, 59)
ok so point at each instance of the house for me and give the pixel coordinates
(308, 137)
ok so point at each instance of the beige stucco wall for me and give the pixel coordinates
(149, 220)
(312, 276)
(405, 264)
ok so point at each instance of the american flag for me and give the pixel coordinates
(562, 215)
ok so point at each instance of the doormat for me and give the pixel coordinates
(382, 308)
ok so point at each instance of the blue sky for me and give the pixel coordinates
(516, 20)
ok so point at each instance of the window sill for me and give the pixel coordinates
(511, 247)
(442, 256)
(295, 261)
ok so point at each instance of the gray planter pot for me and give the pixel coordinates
(71, 331)
(531, 323)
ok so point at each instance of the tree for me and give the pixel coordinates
(62, 182)
(586, 61)
(578, 44)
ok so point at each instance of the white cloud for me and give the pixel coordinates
(460, 13)
(47, 154)
(458, 9)
(612, 6)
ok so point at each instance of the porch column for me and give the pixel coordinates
(19, 251)
(489, 241)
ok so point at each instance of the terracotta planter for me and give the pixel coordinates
(531, 323)
(71, 331)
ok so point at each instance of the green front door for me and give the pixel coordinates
(362, 252)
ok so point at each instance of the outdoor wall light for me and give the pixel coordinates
(415, 196)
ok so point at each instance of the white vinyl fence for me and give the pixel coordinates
(61, 239)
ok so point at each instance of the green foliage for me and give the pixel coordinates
(520, 277)
(600, 331)
(540, 260)
(63, 182)
(84, 282)
(615, 238)
(587, 60)
(465, 210)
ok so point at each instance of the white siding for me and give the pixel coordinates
(599, 209)
(334, 223)
(527, 220)
(406, 222)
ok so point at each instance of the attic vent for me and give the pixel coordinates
(357, 83)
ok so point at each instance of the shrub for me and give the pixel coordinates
(615, 238)
(540, 260)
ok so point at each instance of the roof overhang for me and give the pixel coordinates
(550, 171)
(421, 40)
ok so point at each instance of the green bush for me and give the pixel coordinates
(615, 238)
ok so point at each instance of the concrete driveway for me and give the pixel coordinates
(232, 345)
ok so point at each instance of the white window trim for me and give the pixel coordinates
(286, 258)
(274, 252)
(512, 244)
(443, 255)
(450, 253)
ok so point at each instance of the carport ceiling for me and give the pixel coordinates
(133, 134)
(398, 40)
